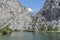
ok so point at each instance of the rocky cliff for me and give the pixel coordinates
(17, 17)
(13, 14)
(51, 10)
(50, 13)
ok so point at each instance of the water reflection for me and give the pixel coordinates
(31, 36)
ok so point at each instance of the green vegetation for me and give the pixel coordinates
(49, 29)
(56, 29)
(6, 30)
(43, 28)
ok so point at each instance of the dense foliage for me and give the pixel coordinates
(5, 30)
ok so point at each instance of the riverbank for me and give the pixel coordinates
(48, 31)
(5, 31)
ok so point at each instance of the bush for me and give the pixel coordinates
(6, 30)
(56, 29)
(49, 28)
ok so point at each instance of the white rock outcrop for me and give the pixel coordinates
(14, 15)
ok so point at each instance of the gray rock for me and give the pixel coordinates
(51, 10)
(50, 13)
(14, 15)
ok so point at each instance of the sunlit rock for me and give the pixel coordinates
(13, 14)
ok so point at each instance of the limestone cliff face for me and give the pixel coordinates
(14, 15)
(50, 13)
(51, 10)
(39, 22)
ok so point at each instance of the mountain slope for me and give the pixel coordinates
(14, 15)
(51, 14)
(51, 10)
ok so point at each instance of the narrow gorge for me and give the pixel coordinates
(17, 17)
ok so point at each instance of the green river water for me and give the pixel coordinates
(31, 36)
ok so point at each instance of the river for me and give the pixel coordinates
(31, 36)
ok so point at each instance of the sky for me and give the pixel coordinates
(34, 5)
